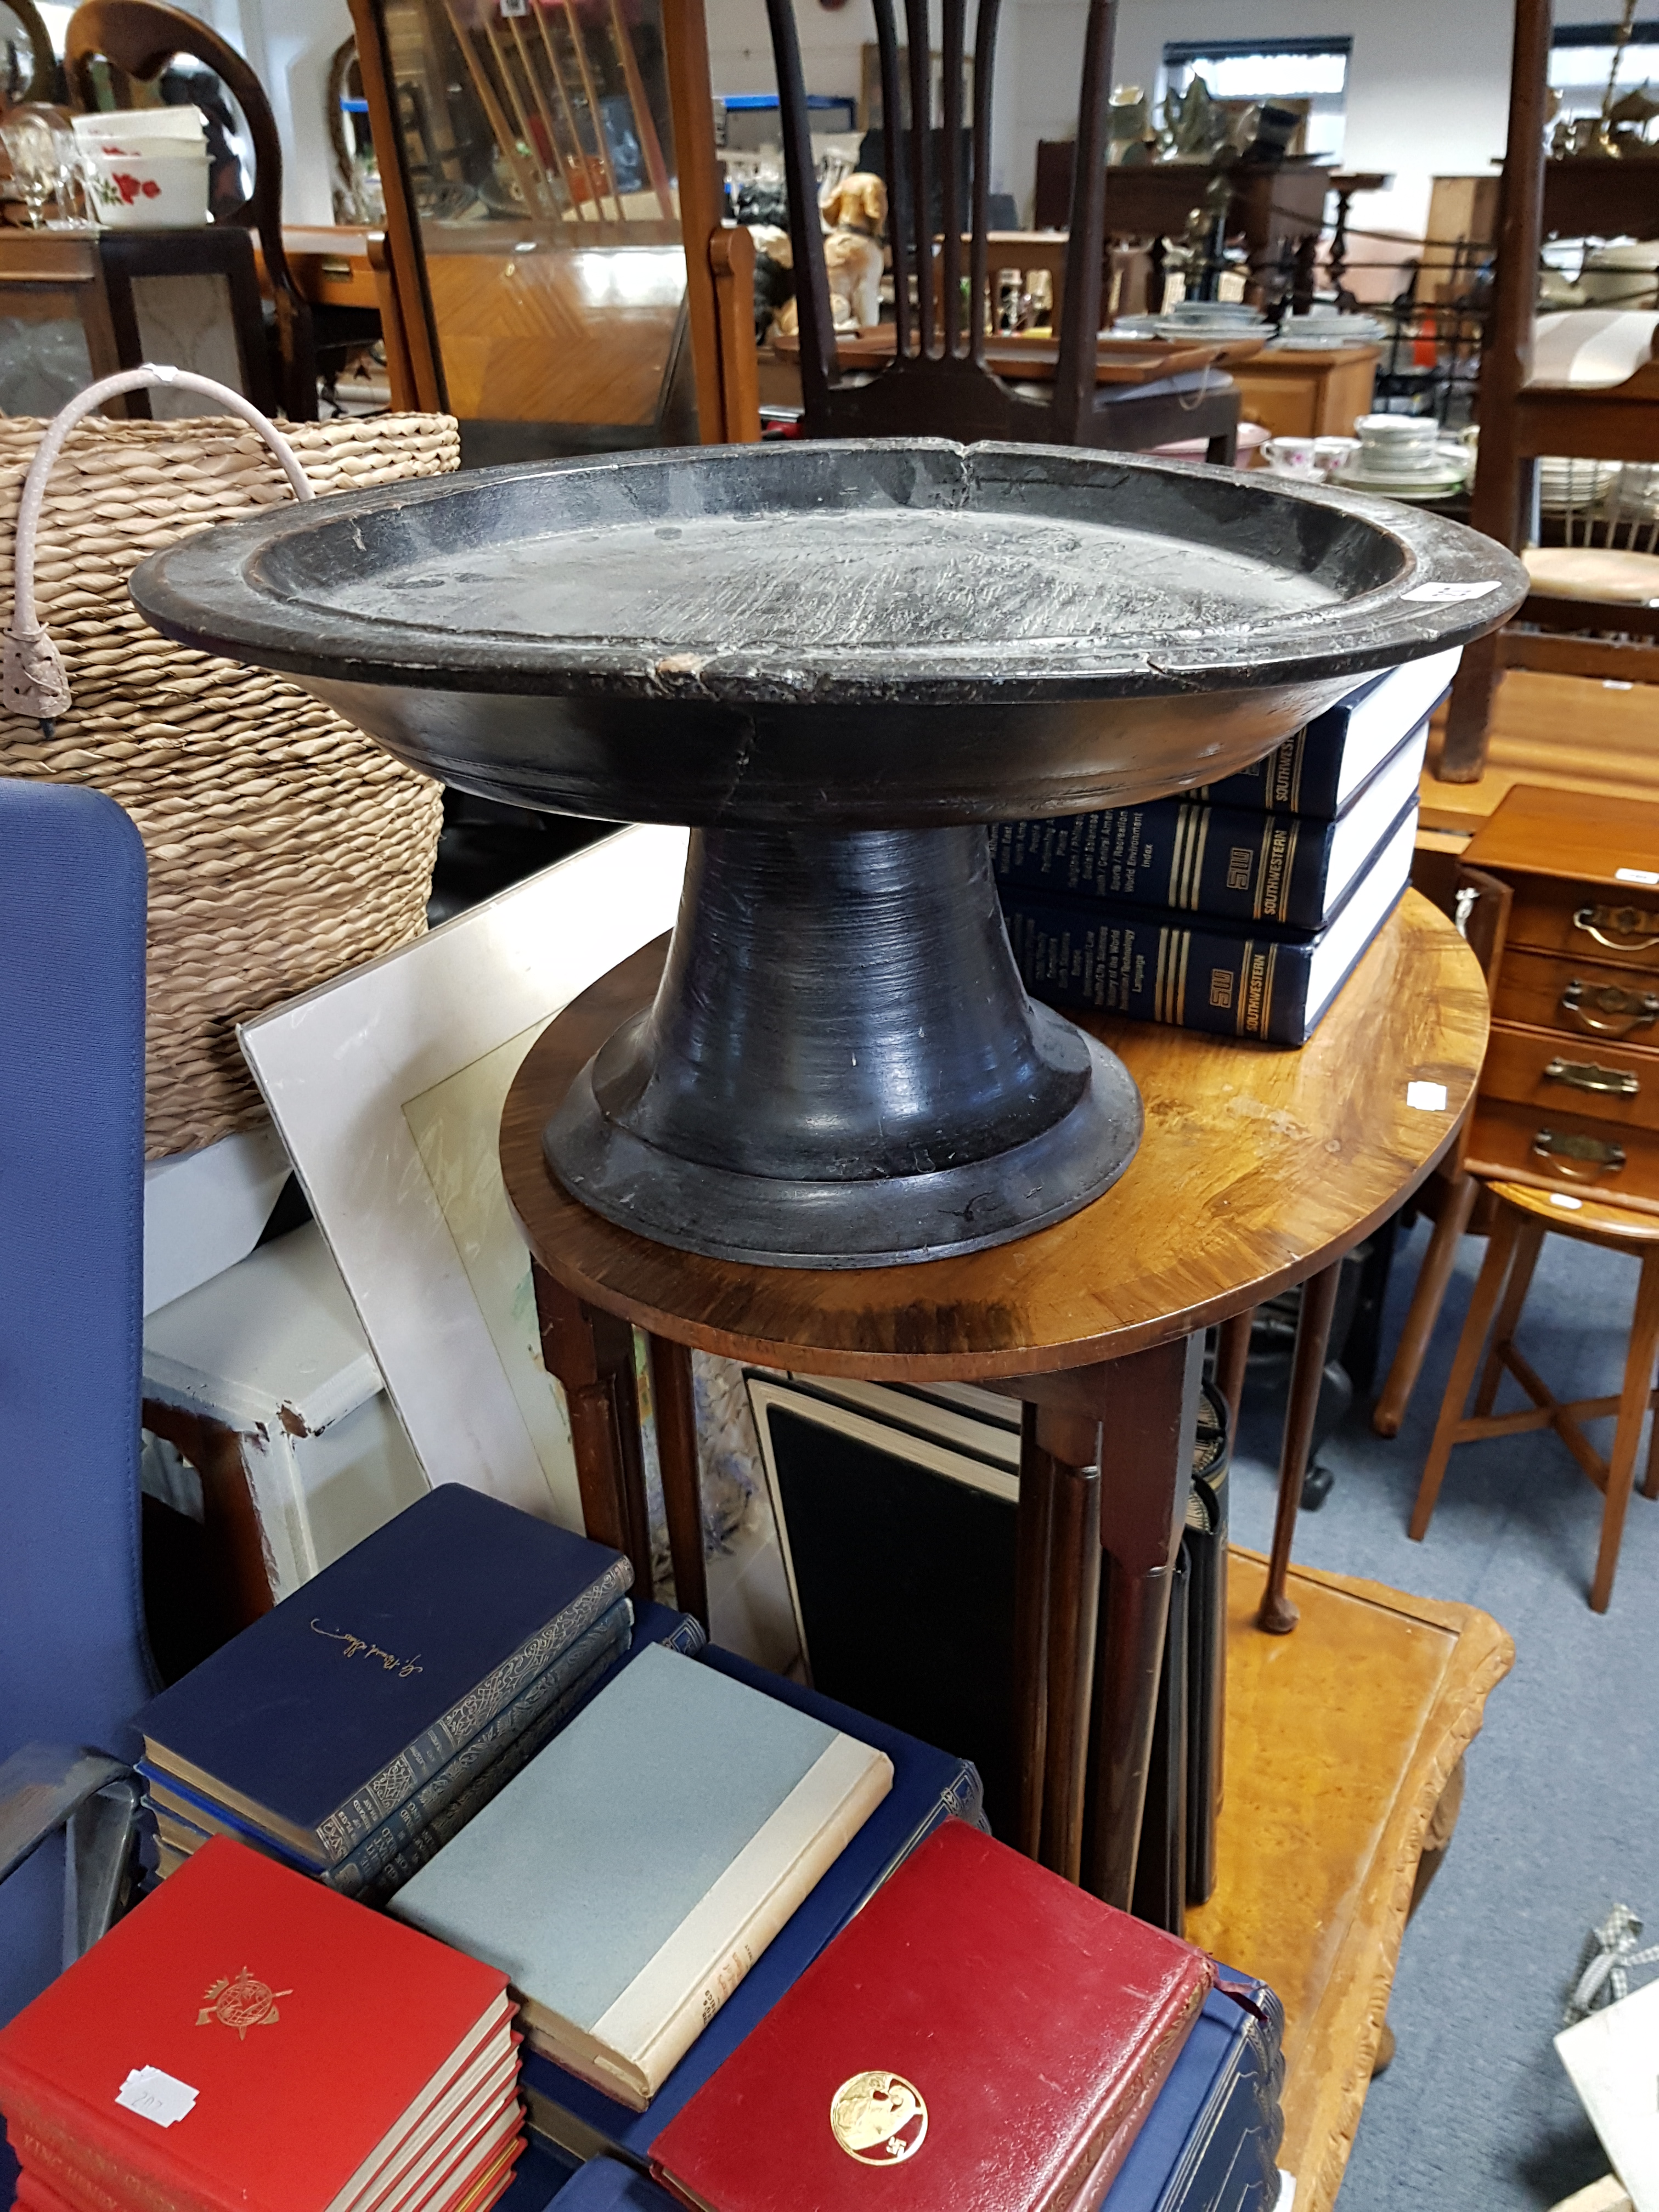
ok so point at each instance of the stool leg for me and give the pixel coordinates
(1427, 1296)
(1277, 1615)
(1632, 1410)
(1527, 1245)
(1500, 1250)
(1650, 1486)
(1232, 1354)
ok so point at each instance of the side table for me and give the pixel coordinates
(1259, 1169)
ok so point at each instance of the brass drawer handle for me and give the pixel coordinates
(1582, 1158)
(1606, 1010)
(1628, 924)
(1585, 1075)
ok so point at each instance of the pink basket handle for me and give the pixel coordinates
(32, 682)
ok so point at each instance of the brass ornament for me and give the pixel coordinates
(241, 2003)
(879, 2118)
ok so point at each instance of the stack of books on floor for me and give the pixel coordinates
(246, 2041)
(1289, 868)
(355, 1727)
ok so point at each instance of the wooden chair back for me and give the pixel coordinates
(138, 38)
(938, 382)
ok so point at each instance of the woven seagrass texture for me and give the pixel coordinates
(284, 847)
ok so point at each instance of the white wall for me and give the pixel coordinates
(1427, 96)
(290, 44)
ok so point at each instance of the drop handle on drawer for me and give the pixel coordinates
(1581, 1158)
(1634, 930)
(1585, 1075)
(1604, 1010)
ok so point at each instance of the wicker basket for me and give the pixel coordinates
(284, 847)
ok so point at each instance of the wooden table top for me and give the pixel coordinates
(1258, 1167)
(1339, 1741)
(1033, 354)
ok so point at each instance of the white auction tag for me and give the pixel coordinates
(1441, 595)
(1636, 875)
(1427, 1097)
(155, 2096)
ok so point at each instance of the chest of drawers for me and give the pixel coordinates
(1567, 884)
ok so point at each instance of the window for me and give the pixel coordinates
(1310, 74)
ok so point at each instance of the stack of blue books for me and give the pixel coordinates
(1243, 908)
(357, 1727)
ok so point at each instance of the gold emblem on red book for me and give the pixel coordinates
(240, 2002)
(879, 2118)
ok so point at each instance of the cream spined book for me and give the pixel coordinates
(627, 1880)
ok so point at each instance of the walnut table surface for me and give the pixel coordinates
(1339, 1743)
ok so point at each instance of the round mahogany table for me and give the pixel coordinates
(1259, 1168)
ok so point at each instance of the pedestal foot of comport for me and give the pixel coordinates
(841, 1068)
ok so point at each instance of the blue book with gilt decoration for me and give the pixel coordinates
(1252, 980)
(319, 1722)
(378, 1869)
(1227, 863)
(928, 1787)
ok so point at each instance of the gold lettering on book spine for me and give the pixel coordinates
(879, 2118)
(240, 2002)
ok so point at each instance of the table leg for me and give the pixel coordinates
(591, 1355)
(1036, 1479)
(677, 1457)
(1232, 1354)
(1313, 1335)
(1149, 1407)
(1072, 1443)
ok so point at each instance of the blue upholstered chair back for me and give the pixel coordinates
(73, 1664)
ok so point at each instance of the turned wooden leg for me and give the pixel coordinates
(677, 1457)
(591, 1355)
(1313, 1334)
(1427, 1298)
(1150, 1411)
(1527, 1245)
(1232, 1356)
(1494, 1273)
(1073, 1445)
(1627, 1436)
(1036, 1479)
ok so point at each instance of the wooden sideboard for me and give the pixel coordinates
(1569, 1097)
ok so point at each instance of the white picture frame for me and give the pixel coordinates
(386, 1086)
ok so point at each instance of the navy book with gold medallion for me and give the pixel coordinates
(338, 1707)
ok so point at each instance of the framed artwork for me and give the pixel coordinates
(386, 1086)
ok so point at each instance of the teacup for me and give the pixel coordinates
(1293, 457)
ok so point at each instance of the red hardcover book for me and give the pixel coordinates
(246, 2041)
(998, 2033)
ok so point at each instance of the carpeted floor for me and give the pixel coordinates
(1476, 2114)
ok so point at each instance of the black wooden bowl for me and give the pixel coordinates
(827, 658)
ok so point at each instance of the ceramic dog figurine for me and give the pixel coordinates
(854, 214)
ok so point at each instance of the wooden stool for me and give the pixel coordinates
(1524, 1218)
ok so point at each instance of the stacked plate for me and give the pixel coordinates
(1407, 457)
(1573, 487)
(1210, 318)
(1323, 329)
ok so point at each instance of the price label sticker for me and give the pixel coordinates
(155, 2096)
(1445, 595)
(1427, 1097)
(1636, 875)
